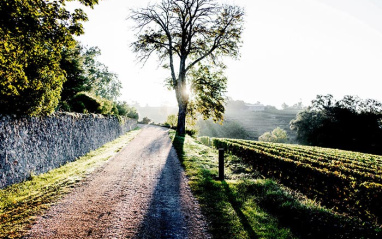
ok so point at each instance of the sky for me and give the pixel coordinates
(292, 51)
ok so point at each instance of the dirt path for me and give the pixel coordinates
(141, 193)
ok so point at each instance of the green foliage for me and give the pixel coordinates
(278, 135)
(336, 178)
(249, 206)
(85, 102)
(208, 86)
(90, 87)
(133, 114)
(72, 62)
(32, 36)
(350, 123)
(298, 106)
(172, 121)
(85, 73)
(101, 82)
(124, 109)
(189, 33)
(146, 120)
(228, 217)
(192, 129)
(107, 107)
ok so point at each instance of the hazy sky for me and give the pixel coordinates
(292, 51)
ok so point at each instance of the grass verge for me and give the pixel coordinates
(20, 203)
(246, 205)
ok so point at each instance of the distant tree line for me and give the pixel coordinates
(44, 69)
(350, 123)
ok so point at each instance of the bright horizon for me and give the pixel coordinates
(292, 51)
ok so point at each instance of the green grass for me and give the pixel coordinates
(247, 205)
(20, 203)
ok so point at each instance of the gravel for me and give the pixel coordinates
(141, 193)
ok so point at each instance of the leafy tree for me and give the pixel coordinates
(85, 73)
(190, 33)
(146, 120)
(278, 135)
(297, 106)
(172, 121)
(350, 123)
(32, 36)
(284, 106)
(100, 81)
(125, 110)
(72, 62)
(85, 102)
(266, 137)
(208, 86)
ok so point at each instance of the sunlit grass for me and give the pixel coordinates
(20, 203)
(229, 216)
(247, 205)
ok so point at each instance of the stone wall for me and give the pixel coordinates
(39, 144)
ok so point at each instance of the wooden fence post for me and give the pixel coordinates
(221, 164)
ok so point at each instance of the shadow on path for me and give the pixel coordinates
(172, 213)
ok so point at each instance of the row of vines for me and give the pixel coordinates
(349, 182)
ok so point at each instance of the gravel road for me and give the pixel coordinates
(141, 193)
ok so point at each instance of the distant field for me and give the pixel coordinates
(349, 182)
(257, 123)
(254, 123)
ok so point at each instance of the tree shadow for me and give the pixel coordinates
(288, 211)
(213, 195)
(164, 217)
(178, 144)
(303, 221)
(168, 215)
(237, 207)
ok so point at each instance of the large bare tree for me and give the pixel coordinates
(190, 36)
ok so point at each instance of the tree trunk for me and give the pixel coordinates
(182, 98)
(181, 129)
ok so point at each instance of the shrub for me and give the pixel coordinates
(172, 121)
(146, 120)
(192, 131)
(106, 106)
(115, 111)
(278, 135)
(125, 110)
(84, 102)
(133, 114)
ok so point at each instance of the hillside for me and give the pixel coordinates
(240, 121)
(257, 123)
(254, 123)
